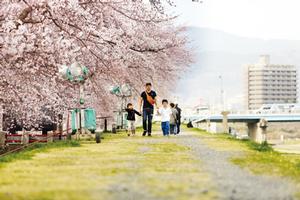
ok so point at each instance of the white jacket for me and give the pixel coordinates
(165, 114)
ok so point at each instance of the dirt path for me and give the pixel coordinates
(232, 181)
(163, 169)
(134, 168)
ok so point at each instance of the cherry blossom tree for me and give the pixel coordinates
(120, 41)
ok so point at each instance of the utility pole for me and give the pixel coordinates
(81, 102)
(222, 93)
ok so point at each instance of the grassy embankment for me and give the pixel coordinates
(32, 150)
(258, 158)
(120, 167)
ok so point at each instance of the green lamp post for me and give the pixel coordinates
(77, 74)
(123, 92)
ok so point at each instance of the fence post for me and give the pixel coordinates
(1, 117)
(105, 125)
(2, 139)
(50, 136)
(25, 138)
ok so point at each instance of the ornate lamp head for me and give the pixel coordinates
(76, 72)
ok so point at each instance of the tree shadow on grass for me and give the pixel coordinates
(30, 151)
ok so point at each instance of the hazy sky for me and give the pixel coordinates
(267, 19)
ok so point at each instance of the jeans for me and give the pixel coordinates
(165, 127)
(173, 129)
(147, 117)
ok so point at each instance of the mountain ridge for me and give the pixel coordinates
(218, 53)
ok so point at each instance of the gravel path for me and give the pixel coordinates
(232, 181)
(130, 186)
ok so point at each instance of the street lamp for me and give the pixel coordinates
(124, 91)
(77, 74)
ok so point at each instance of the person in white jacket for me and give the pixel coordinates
(165, 113)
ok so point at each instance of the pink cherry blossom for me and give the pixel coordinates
(120, 41)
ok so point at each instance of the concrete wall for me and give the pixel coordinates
(288, 130)
(211, 127)
(274, 131)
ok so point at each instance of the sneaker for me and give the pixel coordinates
(128, 134)
(149, 134)
(144, 133)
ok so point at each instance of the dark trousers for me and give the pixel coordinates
(173, 129)
(165, 127)
(178, 127)
(147, 119)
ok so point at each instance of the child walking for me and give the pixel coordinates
(173, 119)
(165, 113)
(131, 119)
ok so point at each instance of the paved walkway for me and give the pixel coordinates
(135, 168)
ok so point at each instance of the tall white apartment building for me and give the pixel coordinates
(270, 84)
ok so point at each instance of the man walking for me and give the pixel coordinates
(147, 99)
(178, 118)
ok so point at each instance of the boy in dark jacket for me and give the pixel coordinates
(131, 118)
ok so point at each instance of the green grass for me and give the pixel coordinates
(219, 142)
(33, 149)
(226, 142)
(182, 175)
(271, 163)
(263, 147)
(156, 166)
(156, 127)
(258, 158)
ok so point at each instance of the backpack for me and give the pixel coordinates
(178, 115)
